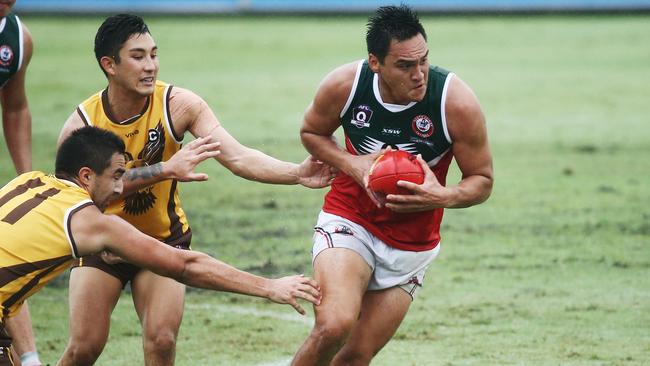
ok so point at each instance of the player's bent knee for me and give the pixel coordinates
(333, 332)
(353, 357)
(161, 343)
(83, 353)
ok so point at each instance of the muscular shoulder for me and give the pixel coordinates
(28, 46)
(462, 109)
(185, 107)
(73, 122)
(335, 88)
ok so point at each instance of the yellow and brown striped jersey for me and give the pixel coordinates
(35, 240)
(149, 138)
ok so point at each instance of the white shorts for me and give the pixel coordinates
(390, 266)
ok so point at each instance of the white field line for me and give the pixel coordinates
(243, 310)
(282, 362)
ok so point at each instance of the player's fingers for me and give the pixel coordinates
(196, 177)
(373, 197)
(296, 306)
(403, 207)
(408, 185)
(206, 155)
(311, 293)
(199, 141)
(425, 168)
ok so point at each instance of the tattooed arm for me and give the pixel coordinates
(180, 166)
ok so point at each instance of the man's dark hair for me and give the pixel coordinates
(388, 23)
(114, 32)
(90, 147)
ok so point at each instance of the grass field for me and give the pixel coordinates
(553, 270)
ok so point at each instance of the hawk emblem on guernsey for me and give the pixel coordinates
(141, 201)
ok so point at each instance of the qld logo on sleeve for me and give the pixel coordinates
(6, 55)
(361, 116)
(422, 126)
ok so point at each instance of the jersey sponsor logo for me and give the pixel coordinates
(418, 140)
(141, 201)
(131, 134)
(391, 131)
(422, 126)
(361, 116)
(6, 55)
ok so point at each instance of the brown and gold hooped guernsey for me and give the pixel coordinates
(36, 244)
(149, 139)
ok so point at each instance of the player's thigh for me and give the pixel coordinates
(93, 295)
(382, 313)
(158, 300)
(343, 276)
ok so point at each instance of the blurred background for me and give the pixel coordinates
(554, 269)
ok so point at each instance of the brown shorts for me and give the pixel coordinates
(5, 348)
(125, 272)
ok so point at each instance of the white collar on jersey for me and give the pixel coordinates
(391, 107)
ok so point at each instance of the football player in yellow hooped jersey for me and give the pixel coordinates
(151, 117)
(48, 220)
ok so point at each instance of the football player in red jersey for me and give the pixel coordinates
(369, 258)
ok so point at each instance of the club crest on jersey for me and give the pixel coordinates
(422, 126)
(6, 55)
(361, 116)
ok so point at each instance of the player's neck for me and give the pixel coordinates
(124, 105)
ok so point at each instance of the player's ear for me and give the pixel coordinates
(108, 64)
(373, 63)
(85, 176)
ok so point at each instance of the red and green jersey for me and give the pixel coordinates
(370, 125)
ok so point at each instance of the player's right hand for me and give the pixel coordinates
(181, 165)
(287, 290)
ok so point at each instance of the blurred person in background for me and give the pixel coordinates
(15, 53)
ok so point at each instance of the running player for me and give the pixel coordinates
(370, 258)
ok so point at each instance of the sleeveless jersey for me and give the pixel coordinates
(36, 244)
(418, 128)
(11, 47)
(149, 139)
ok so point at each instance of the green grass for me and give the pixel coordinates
(552, 270)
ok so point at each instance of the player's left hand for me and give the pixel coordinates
(426, 196)
(287, 290)
(313, 173)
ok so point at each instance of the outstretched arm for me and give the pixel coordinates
(191, 113)
(180, 166)
(94, 232)
(16, 119)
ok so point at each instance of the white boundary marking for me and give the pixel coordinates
(243, 310)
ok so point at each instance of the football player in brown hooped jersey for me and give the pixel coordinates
(370, 258)
(151, 117)
(48, 220)
(16, 49)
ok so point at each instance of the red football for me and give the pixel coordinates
(392, 166)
